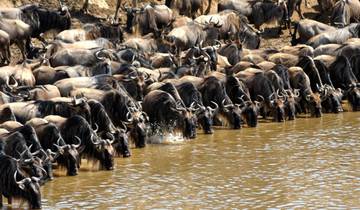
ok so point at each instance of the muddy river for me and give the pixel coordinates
(306, 163)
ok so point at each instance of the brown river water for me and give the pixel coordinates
(307, 163)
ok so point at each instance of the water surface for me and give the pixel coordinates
(307, 163)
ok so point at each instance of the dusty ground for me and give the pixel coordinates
(101, 9)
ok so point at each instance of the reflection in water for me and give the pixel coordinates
(309, 163)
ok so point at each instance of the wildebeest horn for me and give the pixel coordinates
(146, 116)
(192, 107)
(112, 140)
(96, 128)
(15, 82)
(129, 117)
(261, 97)
(79, 143)
(227, 105)
(59, 148)
(42, 169)
(147, 76)
(213, 109)
(297, 92)
(35, 153)
(20, 183)
(99, 57)
(94, 142)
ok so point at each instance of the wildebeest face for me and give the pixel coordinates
(106, 153)
(190, 124)
(138, 130)
(205, 117)
(278, 110)
(121, 144)
(290, 107)
(69, 156)
(131, 14)
(233, 114)
(353, 94)
(31, 188)
(314, 101)
(250, 113)
(332, 103)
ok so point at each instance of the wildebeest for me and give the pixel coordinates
(261, 89)
(343, 77)
(213, 91)
(92, 146)
(150, 19)
(66, 155)
(308, 28)
(165, 112)
(258, 12)
(338, 36)
(344, 12)
(18, 32)
(14, 183)
(105, 128)
(318, 74)
(4, 47)
(308, 100)
(233, 26)
(25, 111)
(91, 31)
(120, 108)
(184, 37)
(189, 7)
(40, 19)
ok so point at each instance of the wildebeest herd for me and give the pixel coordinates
(85, 93)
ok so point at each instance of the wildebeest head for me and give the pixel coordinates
(121, 143)
(189, 120)
(340, 16)
(135, 83)
(205, 116)
(250, 112)
(131, 17)
(68, 155)
(212, 31)
(314, 101)
(248, 35)
(31, 188)
(92, 146)
(331, 99)
(277, 105)
(291, 99)
(105, 152)
(105, 128)
(232, 113)
(136, 120)
(353, 95)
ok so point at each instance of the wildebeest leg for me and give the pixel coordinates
(21, 46)
(298, 10)
(118, 3)
(8, 54)
(85, 7)
(10, 200)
